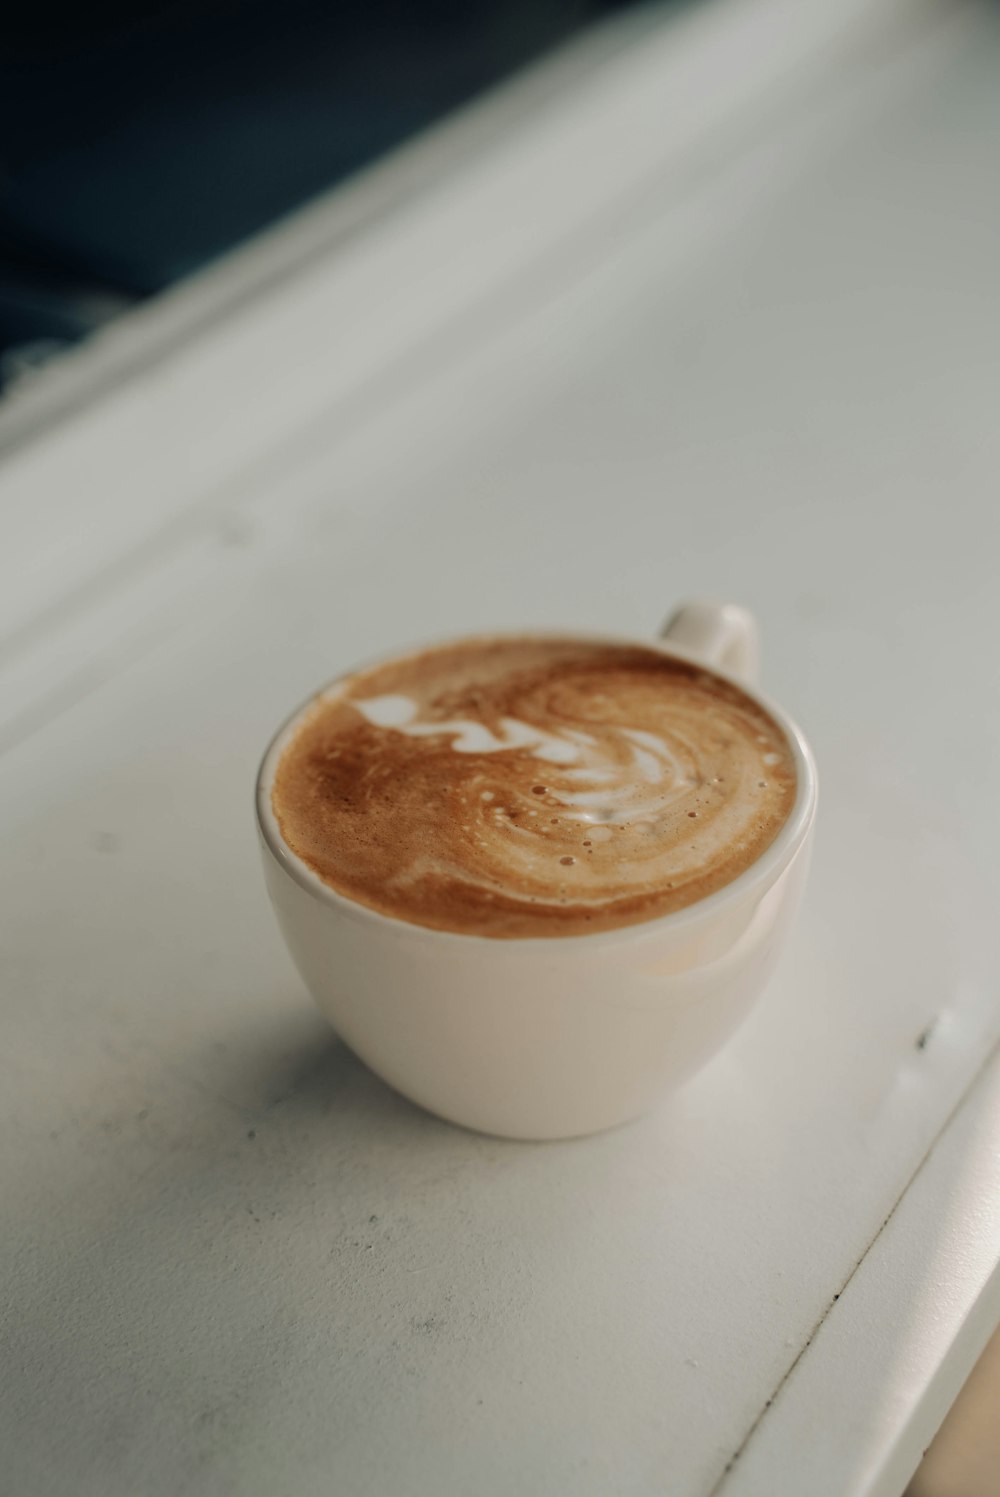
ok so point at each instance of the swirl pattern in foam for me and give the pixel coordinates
(532, 786)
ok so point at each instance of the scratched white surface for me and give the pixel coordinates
(234, 1261)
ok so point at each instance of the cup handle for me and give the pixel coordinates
(721, 634)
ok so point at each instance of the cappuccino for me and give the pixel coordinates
(533, 786)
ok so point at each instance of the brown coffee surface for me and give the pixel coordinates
(514, 787)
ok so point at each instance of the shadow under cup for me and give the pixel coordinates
(542, 1037)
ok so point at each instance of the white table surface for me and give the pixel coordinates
(235, 1262)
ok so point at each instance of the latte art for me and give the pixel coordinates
(468, 737)
(611, 770)
(529, 787)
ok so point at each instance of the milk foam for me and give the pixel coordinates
(467, 737)
(533, 786)
(641, 756)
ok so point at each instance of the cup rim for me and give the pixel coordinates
(762, 872)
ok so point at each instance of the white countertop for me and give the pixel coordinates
(233, 1260)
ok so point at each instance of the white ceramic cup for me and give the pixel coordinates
(550, 1037)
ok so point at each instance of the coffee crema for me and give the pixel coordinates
(532, 787)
